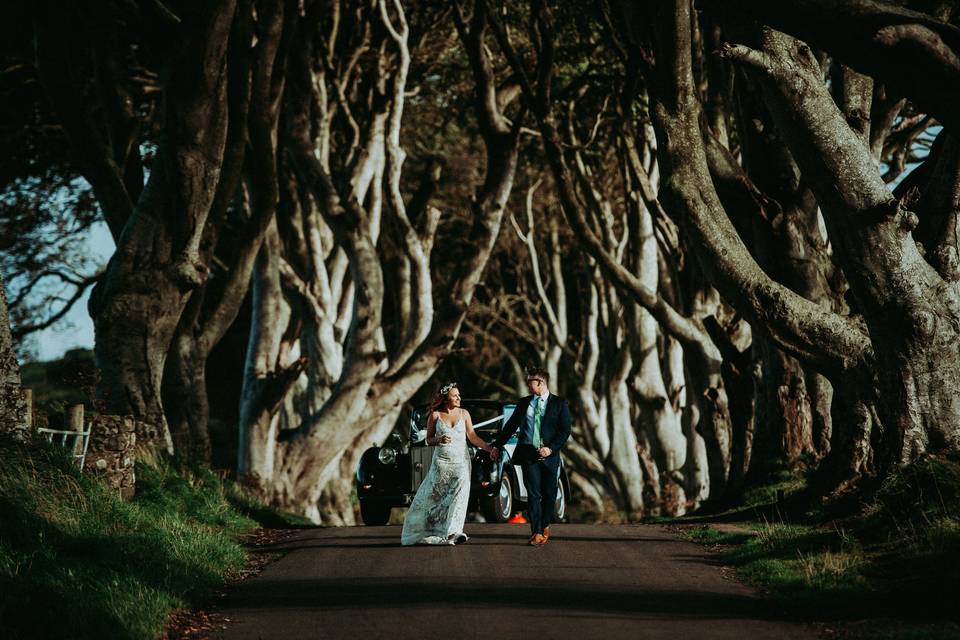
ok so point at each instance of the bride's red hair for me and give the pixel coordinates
(443, 393)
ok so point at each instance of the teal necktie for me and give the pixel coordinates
(537, 414)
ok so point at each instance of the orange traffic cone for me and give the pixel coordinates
(517, 519)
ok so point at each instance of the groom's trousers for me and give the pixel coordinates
(540, 479)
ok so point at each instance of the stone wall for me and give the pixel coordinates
(111, 453)
(115, 444)
(151, 439)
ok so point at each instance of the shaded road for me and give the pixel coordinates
(590, 581)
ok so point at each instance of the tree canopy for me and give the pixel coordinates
(728, 230)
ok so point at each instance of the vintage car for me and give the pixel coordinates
(389, 475)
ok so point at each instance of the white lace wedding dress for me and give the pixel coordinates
(439, 509)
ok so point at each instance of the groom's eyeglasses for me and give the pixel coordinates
(532, 380)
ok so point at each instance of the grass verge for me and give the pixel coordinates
(78, 562)
(890, 570)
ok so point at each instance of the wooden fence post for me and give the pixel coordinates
(73, 421)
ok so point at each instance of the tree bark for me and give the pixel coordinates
(882, 39)
(910, 311)
(267, 377)
(137, 305)
(13, 412)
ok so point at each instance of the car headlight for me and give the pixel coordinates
(387, 455)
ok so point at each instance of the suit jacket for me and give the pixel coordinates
(554, 428)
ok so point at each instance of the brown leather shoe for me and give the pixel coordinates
(546, 533)
(537, 540)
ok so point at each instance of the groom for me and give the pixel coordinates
(544, 423)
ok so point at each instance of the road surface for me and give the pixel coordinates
(590, 581)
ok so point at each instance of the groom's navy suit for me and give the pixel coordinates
(539, 474)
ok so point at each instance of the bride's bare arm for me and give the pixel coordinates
(472, 435)
(432, 437)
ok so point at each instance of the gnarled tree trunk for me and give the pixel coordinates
(136, 307)
(12, 409)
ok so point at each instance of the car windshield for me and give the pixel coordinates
(418, 426)
(487, 419)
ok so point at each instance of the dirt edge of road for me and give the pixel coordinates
(201, 621)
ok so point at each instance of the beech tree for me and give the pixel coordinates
(177, 281)
(47, 209)
(248, 195)
(592, 217)
(159, 224)
(344, 114)
(708, 251)
(12, 409)
(817, 390)
(883, 357)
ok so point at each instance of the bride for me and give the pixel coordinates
(439, 509)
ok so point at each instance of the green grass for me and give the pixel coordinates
(264, 515)
(783, 481)
(897, 557)
(78, 562)
(751, 500)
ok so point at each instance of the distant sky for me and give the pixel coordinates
(76, 328)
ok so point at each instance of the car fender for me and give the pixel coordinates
(369, 458)
(510, 469)
(520, 491)
(516, 478)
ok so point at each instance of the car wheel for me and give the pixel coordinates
(374, 513)
(499, 506)
(560, 506)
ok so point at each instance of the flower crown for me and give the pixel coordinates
(445, 389)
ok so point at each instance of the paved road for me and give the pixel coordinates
(590, 581)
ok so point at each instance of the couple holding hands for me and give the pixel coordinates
(439, 509)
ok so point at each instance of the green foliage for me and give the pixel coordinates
(198, 495)
(812, 569)
(785, 481)
(913, 522)
(922, 494)
(76, 561)
(898, 557)
(708, 535)
(265, 516)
